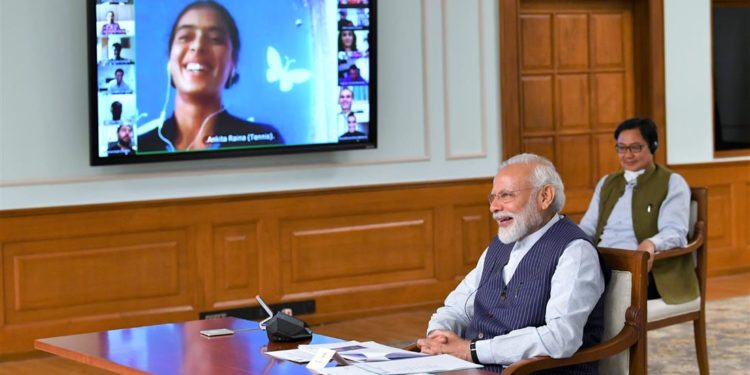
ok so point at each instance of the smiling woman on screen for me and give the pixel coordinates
(203, 50)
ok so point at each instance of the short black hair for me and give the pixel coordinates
(646, 126)
(123, 125)
(120, 71)
(226, 19)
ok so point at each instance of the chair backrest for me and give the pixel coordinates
(625, 304)
(698, 207)
(616, 302)
(692, 219)
(699, 199)
(625, 315)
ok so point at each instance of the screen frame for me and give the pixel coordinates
(93, 100)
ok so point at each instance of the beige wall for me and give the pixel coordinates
(438, 113)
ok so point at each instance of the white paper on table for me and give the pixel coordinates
(374, 352)
(435, 363)
(350, 370)
(337, 346)
(304, 353)
(294, 355)
(344, 370)
(321, 359)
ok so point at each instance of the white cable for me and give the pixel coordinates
(163, 115)
(203, 125)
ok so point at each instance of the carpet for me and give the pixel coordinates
(671, 350)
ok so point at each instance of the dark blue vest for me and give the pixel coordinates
(501, 308)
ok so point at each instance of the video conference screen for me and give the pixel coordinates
(186, 79)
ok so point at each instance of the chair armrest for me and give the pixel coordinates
(694, 245)
(622, 341)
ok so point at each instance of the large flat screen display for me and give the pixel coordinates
(186, 79)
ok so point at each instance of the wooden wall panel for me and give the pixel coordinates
(235, 264)
(723, 227)
(728, 236)
(573, 102)
(55, 279)
(471, 223)
(326, 253)
(719, 233)
(605, 158)
(544, 146)
(610, 106)
(536, 41)
(538, 103)
(607, 43)
(573, 161)
(354, 251)
(574, 32)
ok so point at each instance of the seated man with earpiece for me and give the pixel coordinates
(204, 47)
(645, 207)
(536, 289)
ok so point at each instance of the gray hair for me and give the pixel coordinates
(544, 173)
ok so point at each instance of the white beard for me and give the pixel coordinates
(530, 217)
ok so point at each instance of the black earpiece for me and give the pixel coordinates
(653, 146)
(232, 79)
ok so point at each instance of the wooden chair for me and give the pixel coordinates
(623, 346)
(662, 315)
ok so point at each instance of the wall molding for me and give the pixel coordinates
(355, 251)
(447, 91)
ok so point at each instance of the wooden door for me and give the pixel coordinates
(576, 81)
(575, 73)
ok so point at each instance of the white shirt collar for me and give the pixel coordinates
(631, 176)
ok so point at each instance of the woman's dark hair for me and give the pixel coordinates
(646, 126)
(226, 19)
(354, 40)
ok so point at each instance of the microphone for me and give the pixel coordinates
(282, 327)
(265, 307)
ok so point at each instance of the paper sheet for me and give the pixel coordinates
(435, 363)
(294, 355)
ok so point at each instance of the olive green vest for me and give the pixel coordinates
(675, 277)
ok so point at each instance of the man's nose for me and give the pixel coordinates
(496, 205)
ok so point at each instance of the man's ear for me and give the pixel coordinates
(546, 197)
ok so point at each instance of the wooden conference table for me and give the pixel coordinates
(179, 348)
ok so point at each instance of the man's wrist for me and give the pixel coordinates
(473, 351)
(654, 243)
